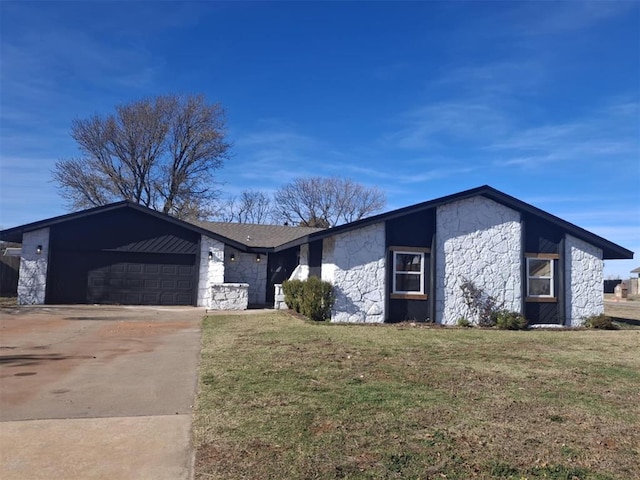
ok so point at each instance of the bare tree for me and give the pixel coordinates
(253, 206)
(159, 152)
(326, 202)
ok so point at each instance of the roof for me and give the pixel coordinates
(610, 250)
(635, 270)
(254, 235)
(261, 237)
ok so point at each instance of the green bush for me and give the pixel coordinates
(317, 299)
(506, 320)
(463, 322)
(292, 290)
(601, 322)
(312, 298)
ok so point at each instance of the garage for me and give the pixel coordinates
(118, 254)
(122, 278)
(122, 256)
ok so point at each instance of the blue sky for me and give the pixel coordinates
(540, 100)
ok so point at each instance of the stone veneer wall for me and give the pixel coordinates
(32, 282)
(584, 280)
(211, 271)
(328, 269)
(229, 296)
(479, 240)
(245, 269)
(279, 303)
(301, 272)
(355, 263)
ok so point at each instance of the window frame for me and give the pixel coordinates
(420, 274)
(551, 277)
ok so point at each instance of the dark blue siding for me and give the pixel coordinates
(541, 236)
(412, 230)
(124, 230)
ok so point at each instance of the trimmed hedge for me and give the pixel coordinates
(312, 298)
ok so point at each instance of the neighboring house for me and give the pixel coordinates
(634, 282)
(408, 264)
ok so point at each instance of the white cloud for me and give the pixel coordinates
(560, 17)
(497, 79)
(435, 124)
(605, 133)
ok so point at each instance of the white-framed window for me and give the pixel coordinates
(408, 272)
(540, 277)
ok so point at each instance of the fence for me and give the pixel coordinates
(9, 268)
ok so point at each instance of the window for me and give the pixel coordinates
(408, 273)
(540, 277)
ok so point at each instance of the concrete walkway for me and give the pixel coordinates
(97, 392)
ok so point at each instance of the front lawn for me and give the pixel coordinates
(283, 398)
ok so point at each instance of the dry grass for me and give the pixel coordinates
(8, 301)
(281, 398)
(624, 313)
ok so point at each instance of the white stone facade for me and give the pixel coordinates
(584, 280)
(245, 269)
(32, 282)
(229, 296)
(328, 271)
(478, 240)
(301, 272)
(211, 270)
(279, 303)
(354, 262)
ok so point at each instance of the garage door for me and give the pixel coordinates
(123, 278)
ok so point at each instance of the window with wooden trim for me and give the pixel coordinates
(408, 272)
(540, 277)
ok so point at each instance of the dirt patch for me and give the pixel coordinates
(624, 310)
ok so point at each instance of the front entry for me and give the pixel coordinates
(280, 266)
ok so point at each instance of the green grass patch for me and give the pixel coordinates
(283, 398)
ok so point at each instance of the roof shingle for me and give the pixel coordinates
(253, 235)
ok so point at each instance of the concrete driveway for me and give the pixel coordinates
(97, 392)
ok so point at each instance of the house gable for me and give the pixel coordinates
(124, 229)
(15, 234)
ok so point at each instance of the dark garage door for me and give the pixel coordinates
(124, 278)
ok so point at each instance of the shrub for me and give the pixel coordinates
(463, 322)
(312, 298)
(506, 320)
(292, 290)
(317, 299)
(601, 322)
